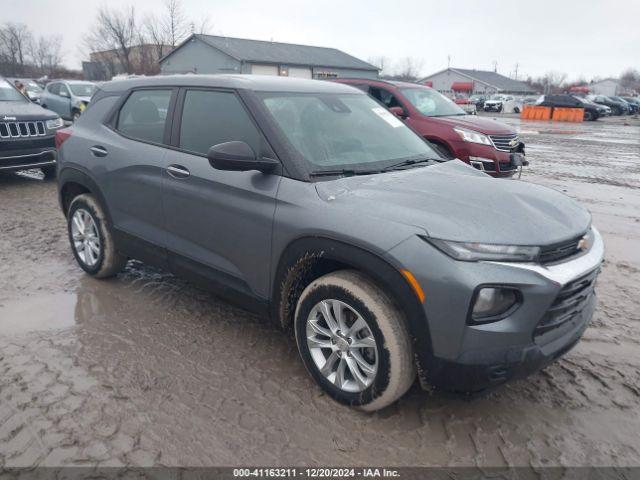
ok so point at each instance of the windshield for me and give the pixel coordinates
(431, 103)
(33, 87)
(82, 89)
(344, 131)
(10, 94)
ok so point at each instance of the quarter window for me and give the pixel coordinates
(211, 117)
(144, 114)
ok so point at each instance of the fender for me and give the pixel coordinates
(298, 259)
(75, 175)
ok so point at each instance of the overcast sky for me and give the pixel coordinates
(578, 37)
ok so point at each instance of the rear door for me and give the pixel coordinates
(132, 154)
(218, 223)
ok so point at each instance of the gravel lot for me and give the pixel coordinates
(147, 370)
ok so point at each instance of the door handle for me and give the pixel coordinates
(98, 151)
(178, 171)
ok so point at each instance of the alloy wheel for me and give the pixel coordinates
(86, 241)
(342, 345)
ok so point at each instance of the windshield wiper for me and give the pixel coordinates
(347, 172)
(411, 161)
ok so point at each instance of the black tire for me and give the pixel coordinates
(516, 110)
(75, 115)
(49, 171)
(588, 116)
(109, 261)
(396, 370)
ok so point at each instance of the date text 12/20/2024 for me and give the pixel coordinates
(315, 473)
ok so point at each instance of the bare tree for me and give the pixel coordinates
(155, 34)
(175, 24)
(15, 41)
(630, 78)
(409, 69)
(46, 54)
(115, 30)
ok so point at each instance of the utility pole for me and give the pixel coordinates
(516, 70)
(448, 61)
(495, 66)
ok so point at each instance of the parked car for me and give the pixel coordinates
(617, 108)
(633, 102)
(68, 98)
(563, 100)
(309, 200)
(465, 104)
(631, 106)
(485, 144)
(33, 89)
(500, 103)
(26, 133)
(603, 110)
(478, 100)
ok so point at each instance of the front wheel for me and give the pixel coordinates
(91, 240)
(588, 116)
(353, 340)
(76, 115)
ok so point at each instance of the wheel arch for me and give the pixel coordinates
(308, 258)
(73, 182)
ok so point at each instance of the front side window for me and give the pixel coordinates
(212, 117)
(82, 89)
(9, 94)
(385, 97)
(144, 114)
(333, 131)
(431, 103)
(54, 88)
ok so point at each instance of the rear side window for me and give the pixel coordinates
(144, 114)
(210, 118)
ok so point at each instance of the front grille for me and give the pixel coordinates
(559, 251)
(25, 145)
(505, 143)
(22, 129)
(570, 302)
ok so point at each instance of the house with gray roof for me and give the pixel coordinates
(475, 81)
(214, 54)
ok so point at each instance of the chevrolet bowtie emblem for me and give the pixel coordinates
(513, 142)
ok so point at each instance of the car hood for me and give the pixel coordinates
(453, 201)
(479, 124)
(23, 111)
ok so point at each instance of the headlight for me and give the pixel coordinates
(55, 123)
(472, 136)
(473, 252)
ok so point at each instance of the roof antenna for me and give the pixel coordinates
(448, 61)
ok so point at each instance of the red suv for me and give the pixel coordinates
(485, 144)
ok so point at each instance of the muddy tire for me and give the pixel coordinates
(49, 171)
(91, 239)
(588, 116)
(354, 341)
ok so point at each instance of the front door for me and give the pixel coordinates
(218, 222)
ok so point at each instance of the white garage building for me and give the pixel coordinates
(475, 81)
(214, 54)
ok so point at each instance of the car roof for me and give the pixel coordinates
(395, 83)
(267, 83)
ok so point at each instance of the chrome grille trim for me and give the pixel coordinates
(22, 129)
(501, 142)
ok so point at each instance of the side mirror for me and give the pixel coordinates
(398, 112)
(238, 157)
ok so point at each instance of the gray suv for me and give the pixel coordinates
(311, 203)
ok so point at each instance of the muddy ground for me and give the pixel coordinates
(146, 370)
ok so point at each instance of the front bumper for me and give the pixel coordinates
(22, 154)
(467, 357)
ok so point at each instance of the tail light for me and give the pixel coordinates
(62, 136)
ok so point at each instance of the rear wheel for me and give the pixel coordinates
(91, 240)
(354, 341)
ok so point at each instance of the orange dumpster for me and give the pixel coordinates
(535, 112)
(561, 114)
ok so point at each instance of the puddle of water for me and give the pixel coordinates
(46, 312)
